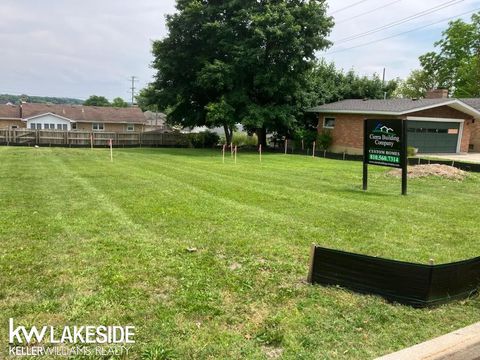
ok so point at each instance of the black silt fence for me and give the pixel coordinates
(417, 285)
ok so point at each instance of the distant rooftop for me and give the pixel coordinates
(82, 113)
(396, 106)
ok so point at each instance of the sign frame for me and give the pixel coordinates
(385, 144)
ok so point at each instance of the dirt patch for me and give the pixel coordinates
(272, 352)
(437, 170)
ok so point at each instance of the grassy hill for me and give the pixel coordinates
(15, 99)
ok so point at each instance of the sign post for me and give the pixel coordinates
(385, 144)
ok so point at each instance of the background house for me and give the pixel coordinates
(436, 124)
(72, 117)
(156, 121)
(10, 117)
(84, 118)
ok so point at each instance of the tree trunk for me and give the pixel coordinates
(228, 134)
(262, 136)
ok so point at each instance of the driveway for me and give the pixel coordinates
(470, 157)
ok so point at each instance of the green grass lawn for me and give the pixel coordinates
(86, 241)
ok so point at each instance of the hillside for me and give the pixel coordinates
(15, 99)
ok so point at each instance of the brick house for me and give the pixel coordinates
(72, 117)
(436, 124)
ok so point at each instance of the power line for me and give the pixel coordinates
(402, 33)
(367, 12)
(348, 7)
(401, 21)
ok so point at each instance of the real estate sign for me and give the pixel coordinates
(385, 144)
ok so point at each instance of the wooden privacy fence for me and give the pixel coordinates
(84, 138)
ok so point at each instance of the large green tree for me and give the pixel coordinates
(228, 62)
(455, 65)
(119, 102)
(96, 100)
(328, 84)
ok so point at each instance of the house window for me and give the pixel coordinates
(97, 127)
(130, 127)
(65, 127)
(59, 126)
(328, 123)
(52, 126)
(74, 126)
(33, 126)
(39, 126)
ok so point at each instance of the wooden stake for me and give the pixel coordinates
(313, 153)
(231, 149)
(91, 141)
(236, 149)
(223, 153)
(310, 266)
(260, 151)
(286, 146)
(111, 150)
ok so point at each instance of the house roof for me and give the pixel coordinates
(9, 111)
(79, 113)
(473, 102)
(398, 106)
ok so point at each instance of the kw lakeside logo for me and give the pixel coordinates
(70, 340)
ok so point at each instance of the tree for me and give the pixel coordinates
(119, 102)
(455, 66)
(416, 85)
(95, 100)
(328, 84)
(228, 62)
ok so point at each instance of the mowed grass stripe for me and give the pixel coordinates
(405, 214)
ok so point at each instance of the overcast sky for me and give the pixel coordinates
(76, 48)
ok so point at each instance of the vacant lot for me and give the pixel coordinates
(85, 241)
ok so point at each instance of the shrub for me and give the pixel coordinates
(243, 139)
(308, 137)
(325, 140)
(411, 151)
(205, 139)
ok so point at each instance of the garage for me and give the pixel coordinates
(434, 136)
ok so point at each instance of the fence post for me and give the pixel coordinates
(311, 263)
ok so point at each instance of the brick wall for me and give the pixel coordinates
(348, 132)
(441, 112)
(475, 136)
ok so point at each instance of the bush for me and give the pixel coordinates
(308, 137)
(411, 151)
(205, 139)
(243, 139)
(325, 140)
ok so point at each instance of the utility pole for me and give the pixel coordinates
(133, 80)
(383, 85)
